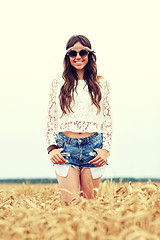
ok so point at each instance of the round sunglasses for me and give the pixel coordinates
(82, 53)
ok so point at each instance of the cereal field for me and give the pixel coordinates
(121, 211)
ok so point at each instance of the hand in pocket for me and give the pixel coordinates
(101, 157)
(56, 157)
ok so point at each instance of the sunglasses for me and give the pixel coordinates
(82, 53)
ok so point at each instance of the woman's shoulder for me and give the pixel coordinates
(57, 80)
(102, 80)
(104, 83)
(100, 77)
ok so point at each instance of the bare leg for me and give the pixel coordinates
(69, 185)
(88, 183)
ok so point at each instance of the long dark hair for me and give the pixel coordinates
(70, 76)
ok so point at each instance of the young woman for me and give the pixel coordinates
(79, 126)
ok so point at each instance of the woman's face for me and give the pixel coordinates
(78, 62)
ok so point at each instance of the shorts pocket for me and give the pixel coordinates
(66, 151)
(60, 143)
(93, 154)
(89, 153)
(96, 143)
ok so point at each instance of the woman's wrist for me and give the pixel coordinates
(51, 147)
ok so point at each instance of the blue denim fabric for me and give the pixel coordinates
(78, 152)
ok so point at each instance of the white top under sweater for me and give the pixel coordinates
(84, 117)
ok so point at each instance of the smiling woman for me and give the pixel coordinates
(80, 60)
(79, 126)
(78, 57)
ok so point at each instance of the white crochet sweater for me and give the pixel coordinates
(84, 117)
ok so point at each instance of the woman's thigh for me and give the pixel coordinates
(88, 184)
(69, 185)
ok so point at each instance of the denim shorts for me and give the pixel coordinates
(78, 152)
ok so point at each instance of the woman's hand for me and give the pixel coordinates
(56, 157)
(101, 158)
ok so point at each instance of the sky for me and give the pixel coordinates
(124, 34)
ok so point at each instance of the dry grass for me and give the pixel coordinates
(122, 211)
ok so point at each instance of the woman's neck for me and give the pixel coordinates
(80, 74)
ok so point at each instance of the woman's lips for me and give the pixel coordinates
(79, 63)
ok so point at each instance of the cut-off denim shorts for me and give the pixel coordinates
(78, 152)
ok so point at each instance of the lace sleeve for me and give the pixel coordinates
(107, 120)
(52, 117)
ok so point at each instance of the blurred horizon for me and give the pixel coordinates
(54, 180)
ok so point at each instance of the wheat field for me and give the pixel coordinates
(121, 211)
